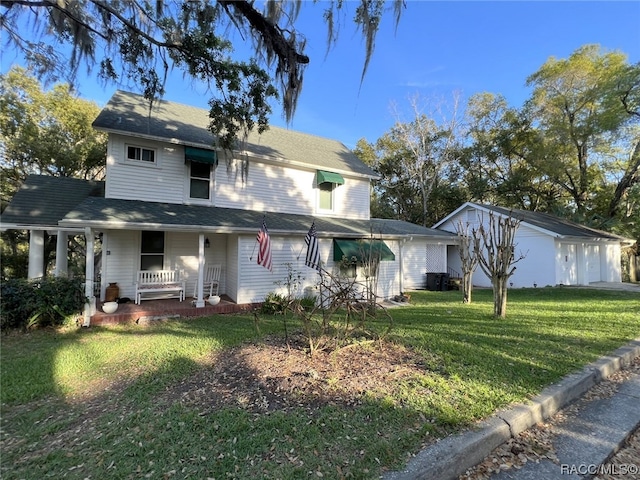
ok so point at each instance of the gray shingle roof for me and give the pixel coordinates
(128, 113)
(44, 200)
(552, 223)
(133, 214)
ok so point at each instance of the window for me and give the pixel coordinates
(140, 154)
(152, 250)
(325, 196)
(348, 269)
(200, 181)
(327, 182)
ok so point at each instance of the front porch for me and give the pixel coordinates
(149, 310)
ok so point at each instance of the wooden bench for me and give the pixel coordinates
(159, 281)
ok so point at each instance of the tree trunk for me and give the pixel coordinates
(628, 180)
(500, 297)
(466, 287)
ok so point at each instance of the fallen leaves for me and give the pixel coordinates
(536, 443)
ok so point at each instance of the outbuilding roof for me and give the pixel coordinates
(129, 114)
(545, 222)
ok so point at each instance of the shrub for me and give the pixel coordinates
(43, 302)
(274, 303)
(308, 302)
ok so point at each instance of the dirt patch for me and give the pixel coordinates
(270, 376)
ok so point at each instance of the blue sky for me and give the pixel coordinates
(438, 48)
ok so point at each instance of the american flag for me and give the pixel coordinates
(264, 247)
(313, 252)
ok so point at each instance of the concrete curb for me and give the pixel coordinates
(452, 456)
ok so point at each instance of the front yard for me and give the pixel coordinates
(212, 398)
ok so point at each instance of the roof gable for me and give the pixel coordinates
(129, 114)
(543, 222)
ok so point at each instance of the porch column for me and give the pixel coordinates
(401, 265)
(61, 254)
(199, 294)
(90, 306)
(36, 254)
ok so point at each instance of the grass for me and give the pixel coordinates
(474, 364)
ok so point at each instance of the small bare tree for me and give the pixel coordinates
(494, 248)
(468, 258)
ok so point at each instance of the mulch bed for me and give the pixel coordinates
(271, 376)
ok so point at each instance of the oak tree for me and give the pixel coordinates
(141, 41)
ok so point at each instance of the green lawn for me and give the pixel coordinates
(58, 420)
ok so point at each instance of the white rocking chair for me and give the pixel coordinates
(211, 281)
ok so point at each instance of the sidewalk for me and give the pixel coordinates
(585, 436)
(587, 433)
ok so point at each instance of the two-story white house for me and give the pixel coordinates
(172, 201)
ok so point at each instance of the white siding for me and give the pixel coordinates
(243, 280)
(538, 264)
(121, 260)
(256, 282)
(284, 189)
(414, 264)
(388, 282)
(268, 187)
(162, 182)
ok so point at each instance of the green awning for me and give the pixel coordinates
(361, 249)
(200, 155)
(328, 177)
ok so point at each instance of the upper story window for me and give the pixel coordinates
(141, 154)
(325, 196)
(200, 181)
(201, 163)
(326, 183)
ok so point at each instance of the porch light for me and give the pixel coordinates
(207, 243)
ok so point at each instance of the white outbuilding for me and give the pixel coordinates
(556, 251)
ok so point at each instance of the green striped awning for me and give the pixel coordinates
(361, 249)
(200, 155)
(328, 177)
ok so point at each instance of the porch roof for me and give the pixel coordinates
(43, 200)
(111, 213)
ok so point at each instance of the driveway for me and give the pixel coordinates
(624, 286)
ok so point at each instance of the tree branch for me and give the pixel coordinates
(268, 31)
